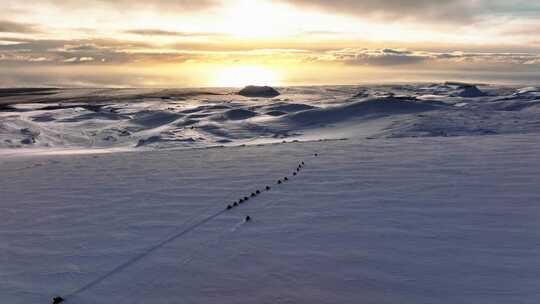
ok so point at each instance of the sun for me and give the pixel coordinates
(245, 75)
(254, 19)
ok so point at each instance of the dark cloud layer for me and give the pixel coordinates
(376, 57)
(155, 32)
(441, 11)
(131, 4)
(85, 51)
(398, 57)
(15, 27)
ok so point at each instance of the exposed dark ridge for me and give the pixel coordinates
(8, 108)
(259, 91)
(9, 92)
(89, 107)
(42, 96)
(168, 94)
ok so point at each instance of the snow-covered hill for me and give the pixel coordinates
(157, 119)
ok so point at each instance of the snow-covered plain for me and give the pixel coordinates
(417, 195)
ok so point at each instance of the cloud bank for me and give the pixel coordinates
(441, 11)
(15, 27)
(393, 35)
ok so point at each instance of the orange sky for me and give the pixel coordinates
(287, 42)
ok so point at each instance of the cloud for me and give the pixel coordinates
(96, 52)
(83, 62)
(131, 4)
(425, 11)
(154, 32)
(375, 57)
(70, 51)
(398, 57)
(530, 30)
(449, 10)
(121, 52)
(15, 27)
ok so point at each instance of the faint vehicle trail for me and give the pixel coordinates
(145, 253)
(190, 227)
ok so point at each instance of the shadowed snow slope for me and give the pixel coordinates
(290, 107)
(238, 114)
(378, 107)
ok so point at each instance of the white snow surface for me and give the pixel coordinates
(416, 195)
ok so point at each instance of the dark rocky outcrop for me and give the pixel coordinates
(470, 91)
(259, 91)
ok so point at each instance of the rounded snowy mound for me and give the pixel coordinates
(259, 91)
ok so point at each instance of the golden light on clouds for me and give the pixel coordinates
(273, 42)
(239, 76)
